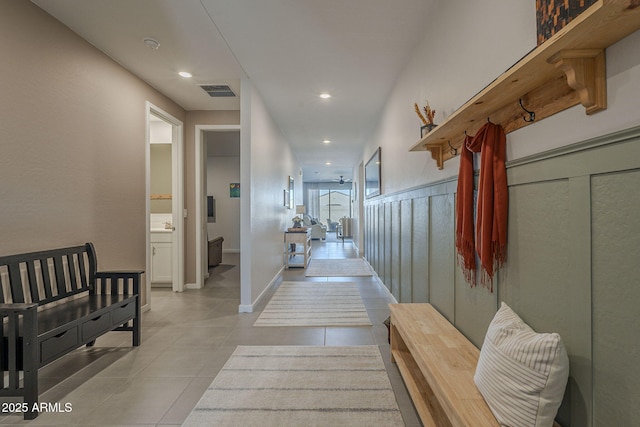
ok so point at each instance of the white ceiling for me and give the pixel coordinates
(291, 50)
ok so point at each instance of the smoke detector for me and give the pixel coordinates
(151, 43)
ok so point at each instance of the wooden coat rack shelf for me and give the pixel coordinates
(566, 70)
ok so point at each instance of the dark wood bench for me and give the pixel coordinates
(53, 302)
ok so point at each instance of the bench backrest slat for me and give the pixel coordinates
(83, 273)
(15, 280)
(46, 276)
(60, 278)
(33, 281)
(46, 280)
(71, 262)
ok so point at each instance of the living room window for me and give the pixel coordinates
(328, 203)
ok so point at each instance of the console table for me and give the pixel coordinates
(293, 240)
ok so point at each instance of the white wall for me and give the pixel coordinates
(466, 46)
(221, 171)
(267, 162)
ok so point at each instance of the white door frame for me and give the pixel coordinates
(177, 198)
(201, 205)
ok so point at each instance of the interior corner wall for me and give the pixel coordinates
(560, 252)
(271, 163)
(72, 142)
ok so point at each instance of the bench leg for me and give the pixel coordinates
(136, 331)
(30, 359)
(30, 392)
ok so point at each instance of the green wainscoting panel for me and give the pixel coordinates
(420, 252)
(380, 242)
(396, 225)
(616, 298)
(536, 272)
(441, 255)
(387, 218)
(406, 244)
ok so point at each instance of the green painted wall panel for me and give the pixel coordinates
(441, 255)
(616, 298)
(395, 254)
(420, 250)
(406, 239)
(386, 249)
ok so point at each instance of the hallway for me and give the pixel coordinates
(187, 338)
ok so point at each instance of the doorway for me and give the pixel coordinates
(164, 204)
(201, 197)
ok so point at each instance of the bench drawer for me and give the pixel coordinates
(95, 326)
(123, 312)
(58, 344)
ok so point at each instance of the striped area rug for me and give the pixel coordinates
(299, 386)
(315, 304)
(350, 267)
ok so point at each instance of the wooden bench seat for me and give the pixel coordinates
(53, 302)
(437, 364)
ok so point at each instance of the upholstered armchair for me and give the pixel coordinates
(318, 231)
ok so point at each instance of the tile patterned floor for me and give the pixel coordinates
(187, 338)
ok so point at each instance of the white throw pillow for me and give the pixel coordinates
(521, 374)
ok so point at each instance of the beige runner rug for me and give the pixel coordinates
(299, 386)
(315, 304)
(338, 267)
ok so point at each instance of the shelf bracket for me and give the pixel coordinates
(586, 74)
(437, 154)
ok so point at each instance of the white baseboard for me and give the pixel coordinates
(191, 286)
(249, 308)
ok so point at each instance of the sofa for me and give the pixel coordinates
(318, 230)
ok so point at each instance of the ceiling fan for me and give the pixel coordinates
(341, 181)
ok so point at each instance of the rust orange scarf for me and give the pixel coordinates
(492, 208)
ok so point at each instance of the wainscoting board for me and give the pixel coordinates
(572, 267)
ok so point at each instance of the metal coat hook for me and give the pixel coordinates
(532, 115)
(453, 151)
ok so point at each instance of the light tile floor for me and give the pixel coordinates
(186, 339)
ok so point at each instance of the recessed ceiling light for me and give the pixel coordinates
(325, 95)
(152, 43)
(328, 163)
(185, 74)
(327, 141)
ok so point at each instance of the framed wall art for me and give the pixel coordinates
(234, 189)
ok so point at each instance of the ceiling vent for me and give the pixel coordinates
(218, 91)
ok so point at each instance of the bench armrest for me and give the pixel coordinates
(129, 277)
(16, 306)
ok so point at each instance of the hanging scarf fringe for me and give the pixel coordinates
(466, 259)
